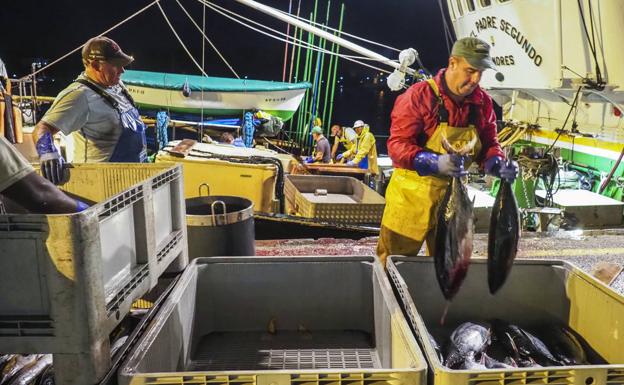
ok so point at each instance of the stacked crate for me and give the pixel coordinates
(68, 280)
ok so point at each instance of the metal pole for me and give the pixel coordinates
(324, 34)
(315, 90)
(286, 44)
(295, 123)
(303, 111)
(328, 86)
(320, 76)
(292, 52)
(34, 92)
(298, 56)
(331, 99)
(203, 61)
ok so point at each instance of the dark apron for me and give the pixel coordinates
(131, 145)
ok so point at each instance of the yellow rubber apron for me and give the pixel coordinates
(412, 200)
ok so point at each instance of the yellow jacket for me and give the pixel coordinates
(365, 147)
(345, 141)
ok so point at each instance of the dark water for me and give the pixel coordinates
(372, 104)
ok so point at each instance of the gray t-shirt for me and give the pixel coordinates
(323, 146)
(13, 166)
(79, 111)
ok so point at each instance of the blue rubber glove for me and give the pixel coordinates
(238, 142)
(51, 161)
(498, 167)
(351, 163)
(308, 160)
(339, 156)
(81, 206)
(428, 163)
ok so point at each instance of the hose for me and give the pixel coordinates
(279, 182)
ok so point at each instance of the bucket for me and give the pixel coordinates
(220, 225)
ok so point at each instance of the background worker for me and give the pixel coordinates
(97, 111)
(227, 138)
(364, 153)
(450, 106)
(20, 183)
(344, 139)
(322, 152)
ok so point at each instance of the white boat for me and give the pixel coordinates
(214, 96)
(545, 52)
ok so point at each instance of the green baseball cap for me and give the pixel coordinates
(317, 130)
(475, 51)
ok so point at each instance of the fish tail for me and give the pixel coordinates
(446, 309)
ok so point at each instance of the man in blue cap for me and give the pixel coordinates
(97, 111)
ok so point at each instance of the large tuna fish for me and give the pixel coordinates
(503, 236)
(564, 345)
(526, 348)
(453, 234)
(467, 343)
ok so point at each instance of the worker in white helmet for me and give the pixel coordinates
(364, 154)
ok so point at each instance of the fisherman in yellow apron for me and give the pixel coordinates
(450, 106)
(345, 139)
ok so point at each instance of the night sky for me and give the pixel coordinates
(49, 29)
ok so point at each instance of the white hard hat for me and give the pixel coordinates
(358, 123)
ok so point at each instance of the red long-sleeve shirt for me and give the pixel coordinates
(415, 118)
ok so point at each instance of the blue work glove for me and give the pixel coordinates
(51, 161)
(308, 160)
(497, 166)
(81, 206)
(428, 163)
(351, 163)
(339, 156)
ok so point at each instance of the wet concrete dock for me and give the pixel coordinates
(584, 249)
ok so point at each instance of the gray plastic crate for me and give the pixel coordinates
(68, 280)
(536, 292)
(280, 321)
(347, 201)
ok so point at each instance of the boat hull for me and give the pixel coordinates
(218, 103)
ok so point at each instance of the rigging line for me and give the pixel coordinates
(572, 106)
(207, 39)
(447, 34)
(342, 32)
(295, 42)
(180, 40)
(591, 22)
(82, 45)
(203, 64)
(589, 41)
(386, 61)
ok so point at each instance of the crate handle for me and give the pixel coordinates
(207, 189)
(215, 216)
